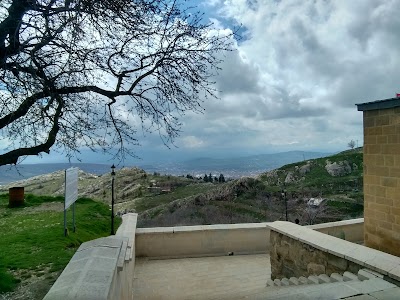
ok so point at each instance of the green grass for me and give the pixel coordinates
(353, 209)
(7, 281)
(32, 239)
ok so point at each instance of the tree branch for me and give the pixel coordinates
(12, 156)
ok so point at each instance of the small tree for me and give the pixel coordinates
(351, 144)
(205, 178)
(311, 213)
(221, 178)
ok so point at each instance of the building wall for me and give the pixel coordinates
(382, 180)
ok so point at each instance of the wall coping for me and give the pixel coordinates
(153, 230)
(263, 225)
(378, 261)
(336, 224)
(379, 104)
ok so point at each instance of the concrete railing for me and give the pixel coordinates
(349, 230)
(100, 269)
(215, 240)
(207, 240)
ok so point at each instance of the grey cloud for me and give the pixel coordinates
(237, 76)
(299, 72)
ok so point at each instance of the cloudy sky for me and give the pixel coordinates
(294, 79)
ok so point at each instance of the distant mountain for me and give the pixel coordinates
(234, 167)
(230, 167)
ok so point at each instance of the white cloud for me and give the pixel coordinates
(192, 142)
(298, 72)
(295, 76)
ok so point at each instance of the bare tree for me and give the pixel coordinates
(312, 212)
(351, 144)
(81, 73)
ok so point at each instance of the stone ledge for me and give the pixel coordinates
(128, 230)
(155, 230)
(380, 262)
(101, 268)
(89, 274)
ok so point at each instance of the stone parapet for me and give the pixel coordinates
(222, 239)
(205, 240)
(101, 268)
(299, 251)
(349, 230)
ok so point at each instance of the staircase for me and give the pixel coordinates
(335, 286)
(363, 274)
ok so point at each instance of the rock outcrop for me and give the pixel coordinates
(341, 168)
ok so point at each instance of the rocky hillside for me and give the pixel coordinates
(335, 181)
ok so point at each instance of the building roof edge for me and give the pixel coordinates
(379, 104)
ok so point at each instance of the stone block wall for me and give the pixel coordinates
(382, 179)
(300, 251)
(293, 258)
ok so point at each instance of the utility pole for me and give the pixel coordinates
(283, 193)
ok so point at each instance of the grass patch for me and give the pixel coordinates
(33, 239)
(353, 209)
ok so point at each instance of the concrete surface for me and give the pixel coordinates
(222, 277)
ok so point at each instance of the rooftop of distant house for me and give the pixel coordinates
(379, 104)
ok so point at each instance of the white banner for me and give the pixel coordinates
(71, 186)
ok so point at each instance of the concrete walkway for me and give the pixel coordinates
(222, 277)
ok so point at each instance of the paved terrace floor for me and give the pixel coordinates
(222, 277)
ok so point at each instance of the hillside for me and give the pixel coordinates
(337, 180)
(170, 200)
(33, 249)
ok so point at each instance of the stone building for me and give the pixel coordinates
(382, 174)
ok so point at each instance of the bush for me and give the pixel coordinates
(7, 281)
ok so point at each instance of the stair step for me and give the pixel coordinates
(277, 282)
(270, 282)
(335, 277)
(303, 280)
(323, 278)
(365, 274)
(313, 279)
(333, 290)
(285, 282)
(348, 276)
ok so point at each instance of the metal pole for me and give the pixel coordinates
(112, 206)
(286, 206)
(73, 216)
(65, 222)
(65, 209)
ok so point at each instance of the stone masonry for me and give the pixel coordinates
(293, 258)
(382, 175)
